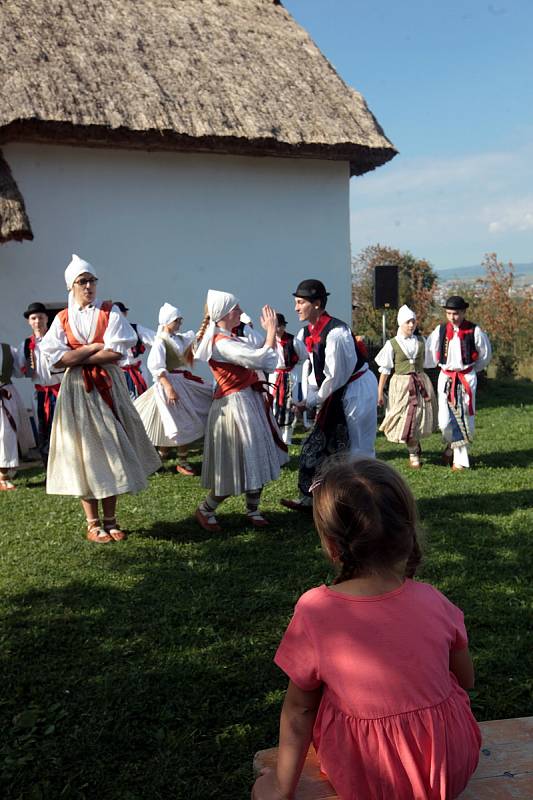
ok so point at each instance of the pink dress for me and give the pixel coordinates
(393, 722)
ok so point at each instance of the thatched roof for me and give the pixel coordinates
(14, 223)
(226, 76)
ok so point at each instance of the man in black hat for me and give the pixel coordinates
(291, 352)
(341, 388)
(131, 366)
(34, 365)
(461, 349)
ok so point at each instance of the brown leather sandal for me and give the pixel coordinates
(111, 528)
(95, 533)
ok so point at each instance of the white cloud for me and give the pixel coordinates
(449, 210)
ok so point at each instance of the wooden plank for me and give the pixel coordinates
(505, 770)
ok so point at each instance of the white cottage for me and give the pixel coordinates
(177, 146)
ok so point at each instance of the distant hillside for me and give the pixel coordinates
(523, 272)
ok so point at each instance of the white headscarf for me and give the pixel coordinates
(167, 314)
(75, 268)
(405, 314)
(218, 305)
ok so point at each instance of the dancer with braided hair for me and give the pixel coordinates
(378, 663)
(243, 448)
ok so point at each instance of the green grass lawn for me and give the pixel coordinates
(143, 669)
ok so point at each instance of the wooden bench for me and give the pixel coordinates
(505, 770)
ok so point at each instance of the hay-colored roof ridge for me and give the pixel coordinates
(14, 222)
(232, 76)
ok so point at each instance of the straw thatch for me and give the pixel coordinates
(14, 223)
(227, 76)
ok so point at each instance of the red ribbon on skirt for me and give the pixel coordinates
(95, 377)
(416, 386)
(262, 387)
(186, 374)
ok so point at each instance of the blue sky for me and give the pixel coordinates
(451, 83)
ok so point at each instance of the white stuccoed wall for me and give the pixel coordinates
(168, 226)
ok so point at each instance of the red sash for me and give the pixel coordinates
(134, 371)
(187, 374)
(49, 391)
(454, 375)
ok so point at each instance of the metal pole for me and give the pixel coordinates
(384, 329)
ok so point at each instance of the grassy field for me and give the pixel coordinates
(143, 669)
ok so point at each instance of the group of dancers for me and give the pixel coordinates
(101, 431)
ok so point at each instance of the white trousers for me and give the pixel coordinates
(460, 454)
(360, 404)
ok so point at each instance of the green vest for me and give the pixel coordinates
(6, 367)
(173, 360)
(402, 365)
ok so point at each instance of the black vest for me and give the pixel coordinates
(290, 357)
(319, 350)
(469, 352)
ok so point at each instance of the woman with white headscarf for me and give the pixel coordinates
(174, 410)
(412, 407)
(98, 446)
(243, 448)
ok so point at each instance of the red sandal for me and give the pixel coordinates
(95, 533)
(111, 528)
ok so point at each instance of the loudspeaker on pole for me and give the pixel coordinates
(386, 286)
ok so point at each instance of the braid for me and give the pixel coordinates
(203, 327)
(414, 558)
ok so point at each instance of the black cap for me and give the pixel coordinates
(281, 319)
(35, 308)
(311, 289)
(120, 305)
(456, 303)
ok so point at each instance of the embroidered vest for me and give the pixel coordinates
(6, 367)
(173, 360)
(138, 348)
(469, 353)
(319, 350)
(101, 325)
(230, 378)
(290, 356)
(402, 364)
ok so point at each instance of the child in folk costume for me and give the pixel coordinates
(461, 349)
(35, 366)
(291, 352)
(131, 365)
(15, 429)
(175, 409)
(243, 449)
(98, 448)
(378, 663)
(412, 405)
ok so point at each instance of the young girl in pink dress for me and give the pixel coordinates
(378, 663)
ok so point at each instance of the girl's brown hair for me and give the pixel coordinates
(189, 351)
(366, 518)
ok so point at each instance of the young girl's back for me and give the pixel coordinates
(378, 663)
(393, 721)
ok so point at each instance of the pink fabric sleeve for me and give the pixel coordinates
(296, 654)
(458, 622)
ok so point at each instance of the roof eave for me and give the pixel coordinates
(361, 158)
(14, 222)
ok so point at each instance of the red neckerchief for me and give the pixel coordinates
(315, 331)
(464, 328)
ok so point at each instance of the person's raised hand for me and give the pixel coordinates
(269, 320)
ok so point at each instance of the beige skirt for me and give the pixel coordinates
(93, 453)
(240, 453)
(425, 419)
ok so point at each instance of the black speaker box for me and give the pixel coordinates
(386, 286)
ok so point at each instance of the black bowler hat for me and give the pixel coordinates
(35, 308)
(281, 319)
(311, 289)
(456, 303)
(122, 307)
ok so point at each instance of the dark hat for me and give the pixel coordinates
(35, 308)
(122, 307)
(311, 289)
(456, 303)
(281, 319)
